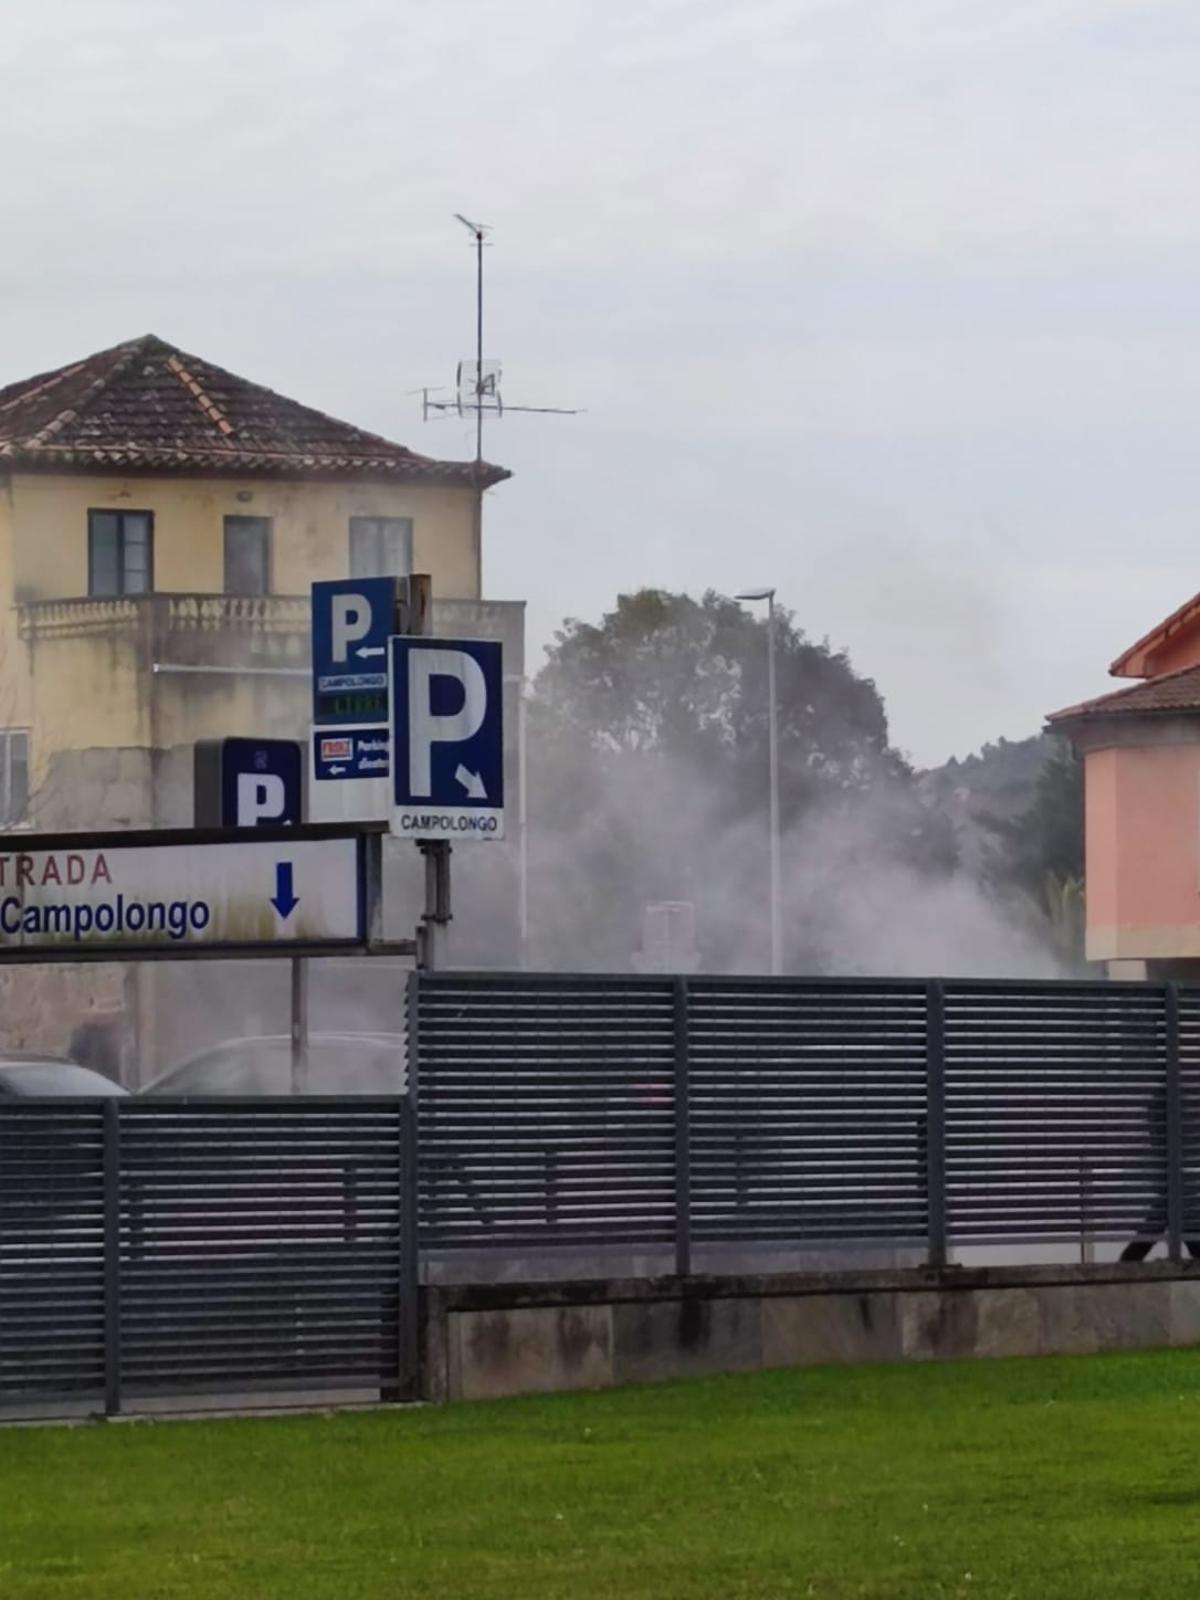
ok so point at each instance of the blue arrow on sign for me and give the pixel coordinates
(284, 901)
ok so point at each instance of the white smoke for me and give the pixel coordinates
(855, 900)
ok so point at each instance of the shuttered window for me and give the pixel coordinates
(247, 555)
(381, 547)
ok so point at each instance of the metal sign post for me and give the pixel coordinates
(417, 620)
(299, 1030)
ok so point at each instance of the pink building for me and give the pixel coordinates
(1141, 753)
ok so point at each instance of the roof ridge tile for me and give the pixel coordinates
(209, 406)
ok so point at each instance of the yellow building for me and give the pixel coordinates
(161, 521)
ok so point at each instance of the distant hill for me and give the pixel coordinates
(1000, 782)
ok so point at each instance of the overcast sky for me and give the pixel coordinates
(891, 303)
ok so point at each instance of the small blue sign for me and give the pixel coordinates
(447, 720)
(352, 620)
(249, 783)
(340, 753)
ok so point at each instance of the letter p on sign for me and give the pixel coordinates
(261, 797)
(426, 729)
(350, 621)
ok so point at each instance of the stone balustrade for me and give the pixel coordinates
(163, 614)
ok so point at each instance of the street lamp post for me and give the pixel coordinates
(773, 758)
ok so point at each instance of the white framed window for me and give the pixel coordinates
(14, 776)
(120, 552)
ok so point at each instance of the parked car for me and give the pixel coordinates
(53, 1165)
(338, 1063)
(41, 1077)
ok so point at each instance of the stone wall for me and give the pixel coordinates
(94, 790)
(42, 1006)
(484, 1342)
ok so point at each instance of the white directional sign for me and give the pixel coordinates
(177, 896)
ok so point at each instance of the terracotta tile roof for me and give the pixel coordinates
(1132, 663)
(146, 406)
(1173, 691)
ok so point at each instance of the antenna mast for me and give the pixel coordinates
(482, 392)
(477, 231)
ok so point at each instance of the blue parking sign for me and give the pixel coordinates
(248, 783)
(352, 620)
(447, 721)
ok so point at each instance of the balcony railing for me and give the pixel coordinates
(240, 630)
(273, 613)
(165, 614)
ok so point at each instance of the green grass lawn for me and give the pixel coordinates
(1036, 1479)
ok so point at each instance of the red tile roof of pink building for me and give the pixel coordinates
(1137, 661)
(1173, 691)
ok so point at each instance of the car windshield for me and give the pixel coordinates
(34, 1078)
(264, 1066)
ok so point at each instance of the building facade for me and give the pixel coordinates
(1141, 751)
(161, 522)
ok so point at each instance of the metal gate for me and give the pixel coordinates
(166, 1248)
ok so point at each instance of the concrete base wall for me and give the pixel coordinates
(488, 1341)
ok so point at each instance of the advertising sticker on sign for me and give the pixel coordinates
(350, 753)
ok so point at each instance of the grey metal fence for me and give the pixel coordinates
(155, 1247)
(546, 1108)
(158, 1247)
(679, 1113)
(1055, 1110)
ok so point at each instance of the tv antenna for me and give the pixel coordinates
(477, 383)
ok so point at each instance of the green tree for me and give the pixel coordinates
(687, 679)
(1039, 853)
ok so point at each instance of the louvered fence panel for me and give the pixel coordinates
(52, 1283)
(544, 1110)
(260, 1243)
(1055, 1111)
(807, 1110)
(1189, 1086)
